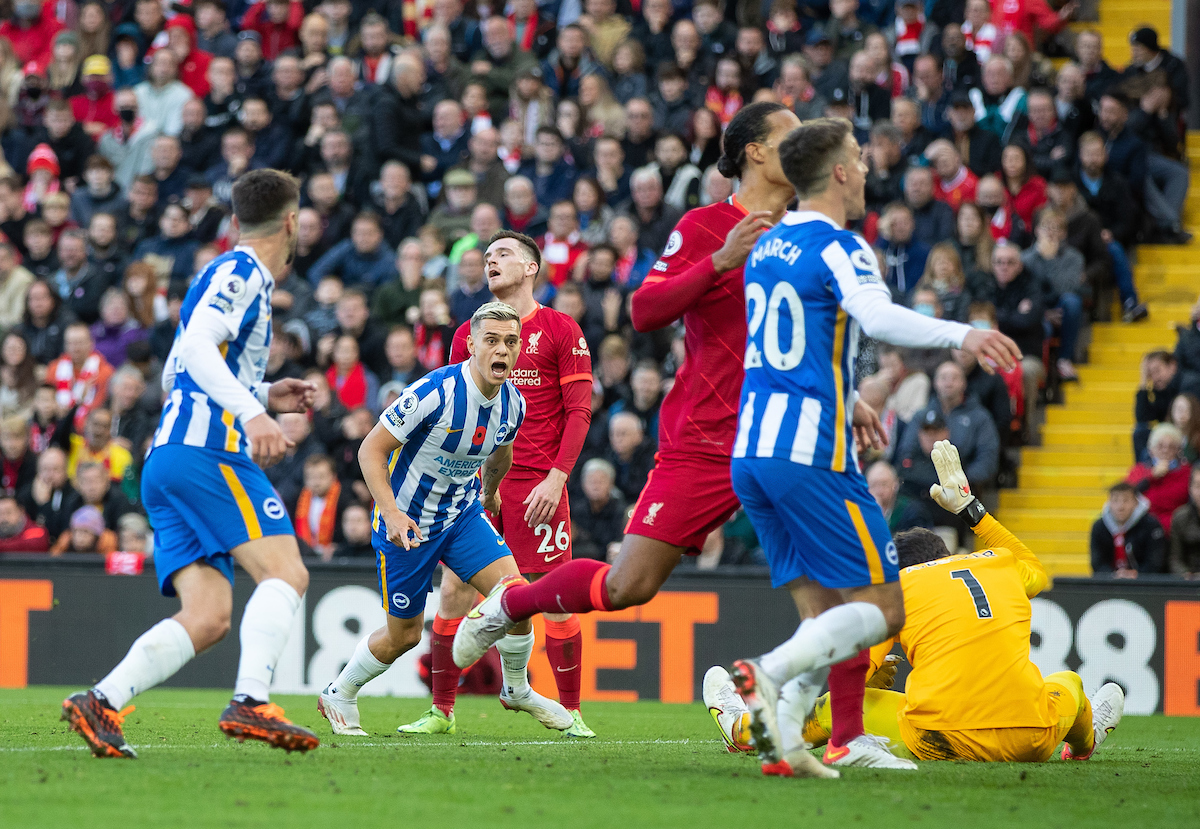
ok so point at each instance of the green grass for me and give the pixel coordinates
(653, 765)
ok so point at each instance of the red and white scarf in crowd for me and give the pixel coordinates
(416, 15)
(76, 389)
(983, 42)
(30, 200)
(725, 104)
(908, 36)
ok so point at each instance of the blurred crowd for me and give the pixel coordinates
(1012, 174)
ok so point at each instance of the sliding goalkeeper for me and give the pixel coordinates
(973, 693)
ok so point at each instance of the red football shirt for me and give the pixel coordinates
(553, 355)
(699, 413)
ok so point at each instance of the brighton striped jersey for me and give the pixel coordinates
(237, 286)
(797, 398)
(447, 429)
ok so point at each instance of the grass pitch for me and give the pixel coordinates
(652, 765)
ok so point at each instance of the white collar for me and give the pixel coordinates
(253, 254)
(473, 390)
(799, 217)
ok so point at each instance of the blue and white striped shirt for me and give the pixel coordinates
(238, 287)
(798, 396)
(447, 429)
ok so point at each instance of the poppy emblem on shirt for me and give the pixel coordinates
(480, 434)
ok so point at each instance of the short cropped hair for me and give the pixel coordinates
(809, 153)
(499, 311)
(260, 199)
(525, 244)
(918, 546)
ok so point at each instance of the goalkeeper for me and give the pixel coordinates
(973, 693)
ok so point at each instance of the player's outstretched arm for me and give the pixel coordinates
(953, 494)
(493, 472)
(373, 456)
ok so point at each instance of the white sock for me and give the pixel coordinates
(836, 635)
(361, 669)
(796, 700)
(266, 624)
(515, 651)
(155, 656)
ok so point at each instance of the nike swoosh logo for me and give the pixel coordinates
(452, 431)
(441, 671)
(564, 670)
(551, 558)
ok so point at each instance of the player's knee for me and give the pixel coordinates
(456, 599)
(630, 594)
(208, 630)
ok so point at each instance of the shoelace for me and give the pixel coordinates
(119, 716)
(875, 741)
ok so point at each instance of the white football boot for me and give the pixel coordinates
(484, 626)
(548, 712)
(1108, 706)
(727, 710)
(341, 712)
(866, 751)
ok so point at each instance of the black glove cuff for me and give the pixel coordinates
(973, 513)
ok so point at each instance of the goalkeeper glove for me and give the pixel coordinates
(953, 494)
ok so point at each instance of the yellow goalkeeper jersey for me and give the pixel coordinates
(967, 636)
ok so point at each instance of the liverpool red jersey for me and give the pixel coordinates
(553, 354)
(699, 413)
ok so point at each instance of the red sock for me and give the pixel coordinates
(576, 587)
(445, 672)
(564, 650)
(847, 687)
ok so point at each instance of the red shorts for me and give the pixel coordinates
(685, 498)
(537, 549)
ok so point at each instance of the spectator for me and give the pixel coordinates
(401, 350)
(592, 214)
(356, 534)
(18, 377)
(116, 328)
(901, 511)
(980, 147)
(1085, 233)
(1020, 308)
(397, 120)
(906, 389)
(317, 510)
(400, 213)
(80, 376)
(453, 217)
(18, 466)
(1051, 145)
(960, 61)
(104, 249)
(1026, 189)
(133, 421)
(630, 454)
(1058, 267)
(354, 318)
(1096, 76)
(522, 212)
(996, 203)
(96, 446)
(916, 470)
(433, 332)
(954, 182)
(353, 383)
(95, 487)
(14, 286)
(991, 392)
(363, 259)
(394, 298)
(1185, 416)
(1184, 544)
(933, 220)
(972, 429)
(885, 180)
(472, 290)
(1157, 391)
(1164, 477)
(1127, 539)
(287, 476)
(134, 534)
(598, 517)
(162, 95)
(945, 277)
(973, 242)
(41, 324)
(1187, 353)
(1147, 57)
(87, 534)
(18, 534)
(49, 498)
(904, 253)
(172, 252)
